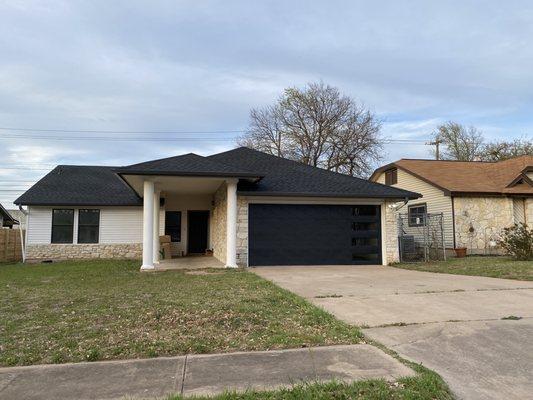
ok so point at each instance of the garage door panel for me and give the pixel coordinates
(283, 234)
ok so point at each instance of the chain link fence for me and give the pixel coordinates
(421, 237)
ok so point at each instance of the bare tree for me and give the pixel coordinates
(318, 126)
(460, 142)
(498, 151)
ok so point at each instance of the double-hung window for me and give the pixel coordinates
(62, 225)
(88, 226)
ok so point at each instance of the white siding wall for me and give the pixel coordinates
(435, 199)
(118, 225)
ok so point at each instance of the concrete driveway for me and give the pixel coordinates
(453, 323)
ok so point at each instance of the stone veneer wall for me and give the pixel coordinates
(478, 220)
(218, 227)
(529, 212)
(39, 252)
(391, 233)
(218, 224)
(242, 232)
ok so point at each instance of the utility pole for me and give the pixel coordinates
(436, 143)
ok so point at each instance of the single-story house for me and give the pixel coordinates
(6, 219)
(249, 208)
(477, 199)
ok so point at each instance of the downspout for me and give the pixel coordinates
(22, 244)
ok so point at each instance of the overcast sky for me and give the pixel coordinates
(201, 65)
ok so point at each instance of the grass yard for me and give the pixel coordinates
(100, 310)
(494, 267)
(426, 386)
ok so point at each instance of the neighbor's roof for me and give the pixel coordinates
(470, 176)
(102, 186)
(186, 165)
(72, 185)
(284, 177)
(7, 217)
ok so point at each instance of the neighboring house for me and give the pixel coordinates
(6, 219)
(248, 207)
(20, 217)
(477, 199)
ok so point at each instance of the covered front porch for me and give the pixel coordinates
(198, 213)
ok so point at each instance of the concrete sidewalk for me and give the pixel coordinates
(198, 374)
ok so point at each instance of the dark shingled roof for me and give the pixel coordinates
(73, 185)
(69, 185)
(284, 177)
(188, 164)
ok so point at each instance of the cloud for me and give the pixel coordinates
(197, 66)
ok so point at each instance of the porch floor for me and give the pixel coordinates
(189, 262)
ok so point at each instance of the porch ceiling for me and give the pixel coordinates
(176, 184)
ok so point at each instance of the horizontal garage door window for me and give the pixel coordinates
(88, 226)
(62, 225)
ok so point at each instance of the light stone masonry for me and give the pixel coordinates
(40, 252)
(479, 222)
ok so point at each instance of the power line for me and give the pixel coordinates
(168, 139)
(118, 132)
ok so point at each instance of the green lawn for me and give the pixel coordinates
(99, 310)
(425, 386)
(495, 267)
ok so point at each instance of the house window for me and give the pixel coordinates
(173, 225)
(417, 215)
(88, 226)
(62, 226)
(391, 176)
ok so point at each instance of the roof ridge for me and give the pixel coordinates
(163, 159)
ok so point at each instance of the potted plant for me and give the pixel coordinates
(460, 252)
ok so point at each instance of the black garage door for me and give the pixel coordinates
(290, 234)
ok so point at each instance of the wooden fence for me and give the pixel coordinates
(10, 245)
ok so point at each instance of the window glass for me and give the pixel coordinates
(417, 215)
(364, 226)
(364, 210)
(173, 225)
(88, 226)
(62, 226)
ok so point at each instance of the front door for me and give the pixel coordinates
(197, 228)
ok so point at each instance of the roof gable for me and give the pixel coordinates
(467, 176)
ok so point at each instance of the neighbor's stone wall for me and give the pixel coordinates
(529, 212)
(40, 252)
(242, 232)
(392, 250)
(218, 224)
(479, 222)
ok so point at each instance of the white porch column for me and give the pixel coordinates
(148, 226)
(231, 223)
(157, 195)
